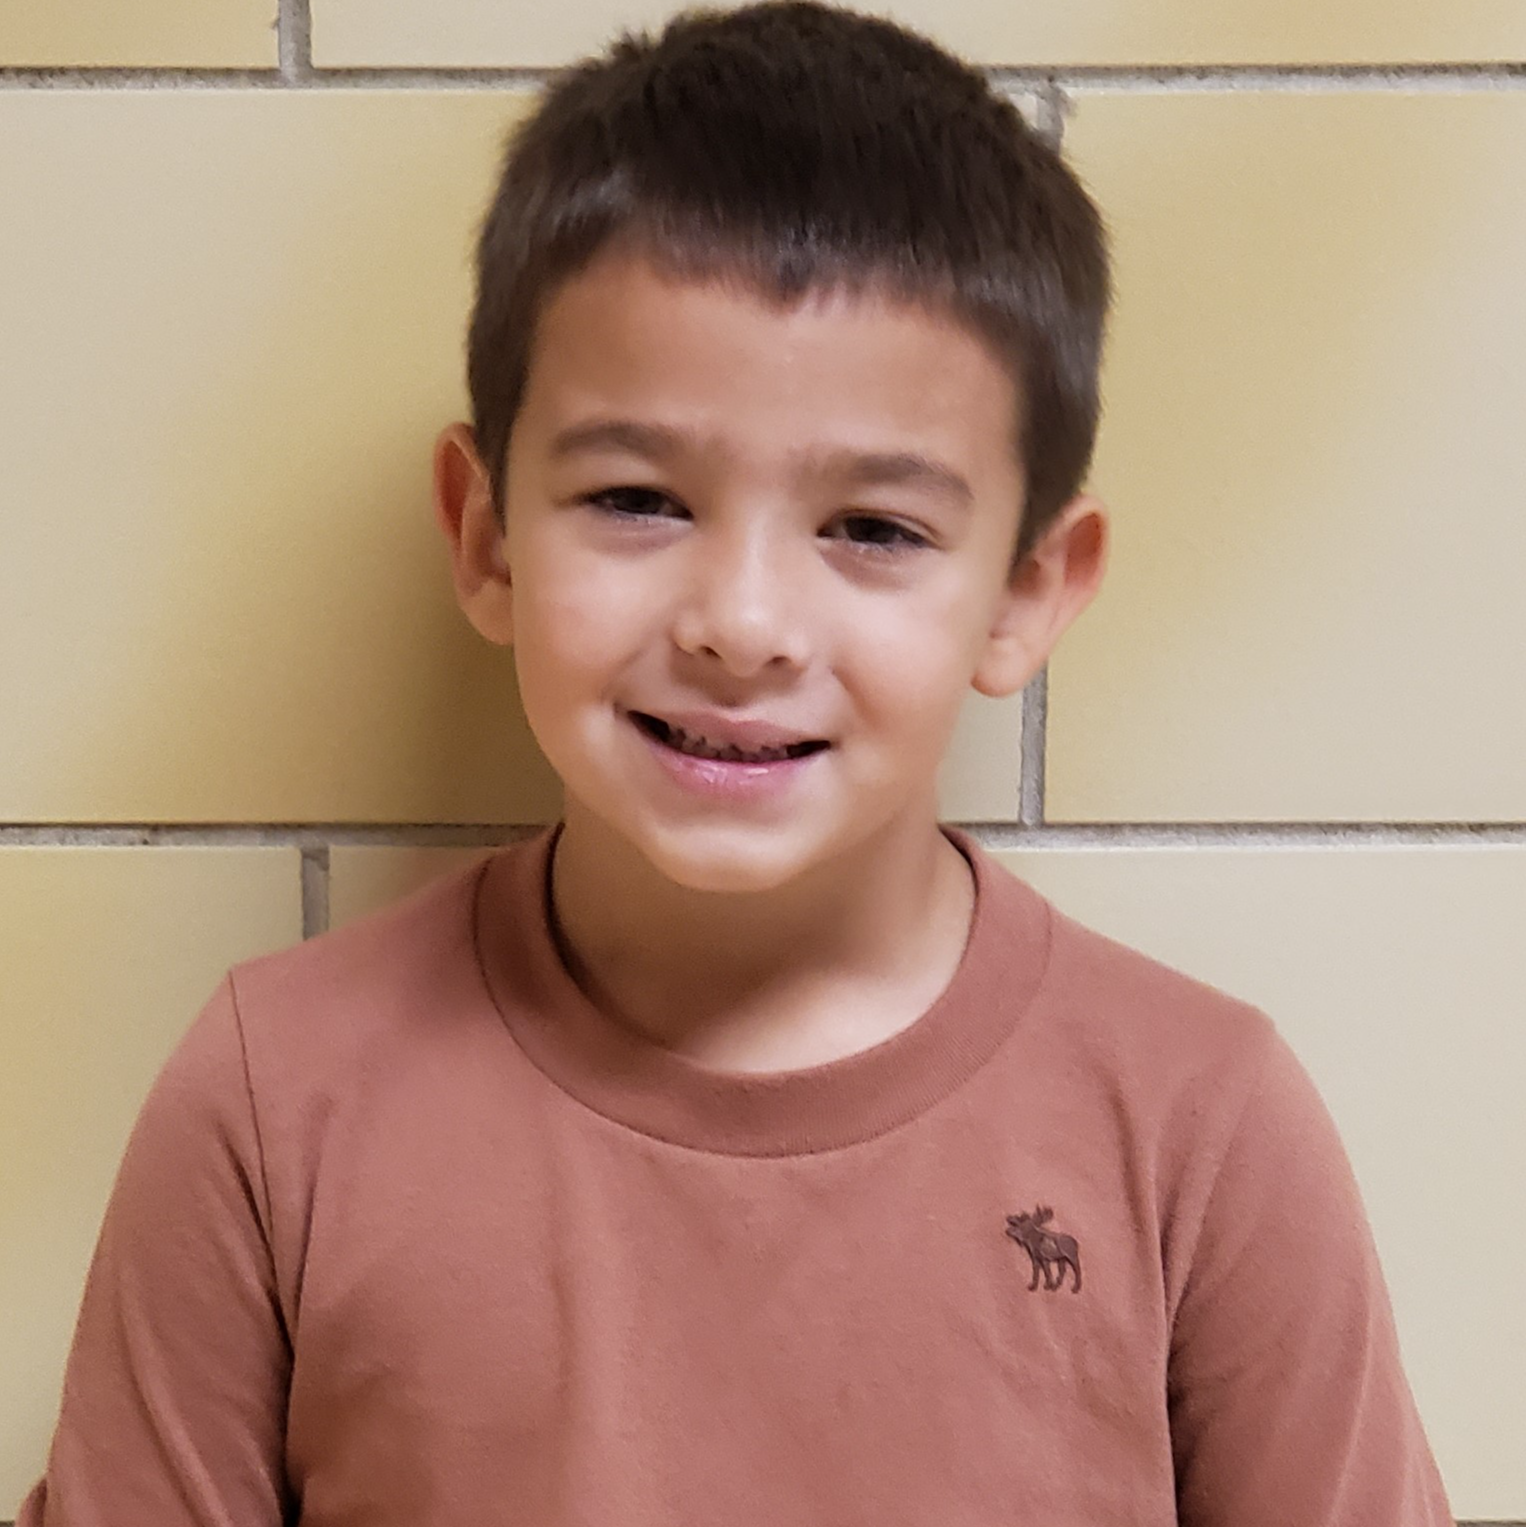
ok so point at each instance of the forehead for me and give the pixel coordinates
(717, 360)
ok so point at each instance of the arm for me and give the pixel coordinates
(174, 1398)
(1287, 1401)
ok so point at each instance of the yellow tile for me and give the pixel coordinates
(242, 315)
(1313, 450)
(108, 955)
(463, 32)
(165, 33)
(1396, 974)
(366, 878)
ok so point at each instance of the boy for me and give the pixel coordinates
(747, 1147)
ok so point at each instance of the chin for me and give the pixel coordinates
(719, 869)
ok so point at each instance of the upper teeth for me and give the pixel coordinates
(702, 747)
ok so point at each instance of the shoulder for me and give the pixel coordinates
(1149, 1060)
(1220, 1125)
(1115, 1009)
(355, 983)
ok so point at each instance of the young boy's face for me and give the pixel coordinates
(726, 515)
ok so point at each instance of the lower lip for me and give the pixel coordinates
(722, 780)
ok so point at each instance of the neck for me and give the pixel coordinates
(701, 970)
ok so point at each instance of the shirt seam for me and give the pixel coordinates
(266, 1212)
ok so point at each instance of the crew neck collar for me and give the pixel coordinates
(647, 1087)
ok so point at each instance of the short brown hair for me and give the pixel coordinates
(799, 146)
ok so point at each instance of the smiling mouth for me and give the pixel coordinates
(697, 747)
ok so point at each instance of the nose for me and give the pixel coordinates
(741, 600)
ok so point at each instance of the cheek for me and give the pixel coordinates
(570, 615)
(916, 665)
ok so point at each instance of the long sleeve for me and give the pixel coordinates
(1287, 1399)
(174, 1396)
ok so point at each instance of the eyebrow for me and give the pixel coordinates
(658, 442)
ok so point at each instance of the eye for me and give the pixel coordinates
(628, 503)
(876, 533)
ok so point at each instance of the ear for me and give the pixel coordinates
(1045, 593)
(464, 511)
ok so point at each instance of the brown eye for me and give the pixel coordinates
(871, 530)
(629, 503)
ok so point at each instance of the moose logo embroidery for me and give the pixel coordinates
(1050, 1253)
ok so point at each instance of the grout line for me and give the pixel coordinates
(1302, 77)
(321, 836)
(1032, 733)
(304, 835)
(295, 71)
(1245, 835)
(15, 78)
(315, 891)
(505, 77)
(1052, 112)
(294, 33)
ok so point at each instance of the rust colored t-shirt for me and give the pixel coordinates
(408, 1235)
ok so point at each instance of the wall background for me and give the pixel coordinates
(1282, 751)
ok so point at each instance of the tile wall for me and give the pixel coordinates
(1282, 751)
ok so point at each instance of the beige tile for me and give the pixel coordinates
(1090, 32)
(1313, 450)
(1396, 974)
(108, 954)
(165, 33)
(980, 777)
(242, 315)
(366, 878)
